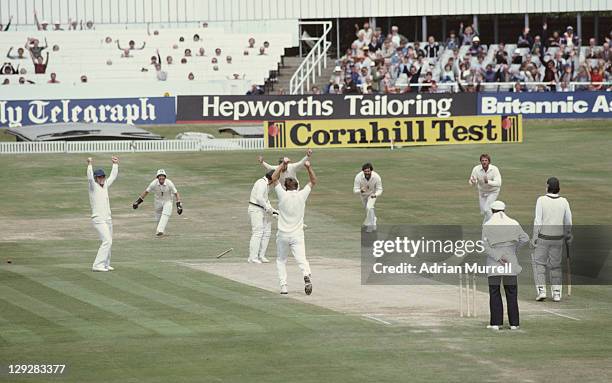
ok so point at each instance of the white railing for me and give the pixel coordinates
(313, 63)
(131, 146)
(503, 86)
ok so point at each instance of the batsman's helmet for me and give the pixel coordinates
(161, 172)
(99, 173)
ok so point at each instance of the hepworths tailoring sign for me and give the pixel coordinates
(262, 108)
(547, 104)
(145, 110)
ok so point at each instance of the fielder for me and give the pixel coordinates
(551, 226)
(488, 179)
(502, 237)
(163, 189)
(290, 235)
(260, 212)
(101, 212)
(368, 185)
(292, 168)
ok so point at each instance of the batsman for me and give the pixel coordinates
(551, 227)
(164, 191)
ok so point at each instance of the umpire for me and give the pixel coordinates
(502, 238)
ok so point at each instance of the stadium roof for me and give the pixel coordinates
(80, 132)
(244, 131)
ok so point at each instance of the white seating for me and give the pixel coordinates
(87, 53)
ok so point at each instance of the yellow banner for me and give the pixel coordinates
(384, 132)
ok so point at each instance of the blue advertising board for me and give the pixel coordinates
(142, 110)
(547, 104)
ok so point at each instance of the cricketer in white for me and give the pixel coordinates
(292, 168)
(290, 235)
(163, 189)
(101, 212)
(260, 211)
(488, 179)
(552, 226)
(368, 184)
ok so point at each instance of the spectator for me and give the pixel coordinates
(190, 76)
(597, 77)
(57, 26)
(606, 52)
(4, 28)
(245, 53)
(501, 56)
(22, 80)
(184, 60)
(214, 60)
(448, 74)
(83, 79)
(550, 75)
(262, 51)
(8, 69)
(55, 48)
(432, 49)
(315, 90)
(53, 79)
(255, 90)
(467, 34)
(201, 52)
(567, 74)
(569, 39)
(417, 49)
(361, 41)
(517, 57)
(218, 52)
(426, 83)
(160, 74)
(228, 59)
(490, 75)
(6, 81)
(537, 45)
(41, 26)
(187, 52)
(89, 25)
(396, 38)
(181, 39)
(72, 24)
(376, 41)
(452, 41)
(251, 43)
(554, 40)
(475, 47)
(518, 88)
(125, 53)
(196, 38)
(132, 46)
(563, 86)
(20, 54)
(35, 49)
(583, 76)
(592, 52)
(108, 40)
(40, 65)
(169, 60)
(525, 40)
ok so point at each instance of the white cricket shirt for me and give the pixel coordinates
(553, 216)
(98, 195)
(259, 194)
(371, 186)
(291, 206)
(493, 177)
(163, 193)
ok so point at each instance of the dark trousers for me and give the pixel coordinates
(496, 305)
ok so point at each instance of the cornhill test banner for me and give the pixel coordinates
(414, 131)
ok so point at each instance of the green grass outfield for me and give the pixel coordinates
(154, 320)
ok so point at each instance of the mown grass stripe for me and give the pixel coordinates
(99, 299)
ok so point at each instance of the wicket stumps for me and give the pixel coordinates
(467, 287)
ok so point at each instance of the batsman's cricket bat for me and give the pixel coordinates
(568, 269)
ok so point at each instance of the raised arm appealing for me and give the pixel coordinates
(114, 172)
(311, 174)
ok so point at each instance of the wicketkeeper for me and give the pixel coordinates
(164, 191)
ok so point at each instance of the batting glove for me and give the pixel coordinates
(179, 208)
(136, 203)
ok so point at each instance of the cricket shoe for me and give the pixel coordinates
(514, 327)
(264, 260)
(284, 290)
(541, 293)
(159, 233)
(556, 296)
(110, 268)
(493, 327)
(254, 260)
(307, 285)
(99, 269)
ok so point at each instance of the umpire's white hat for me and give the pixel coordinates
(161, 172)
(498, 205)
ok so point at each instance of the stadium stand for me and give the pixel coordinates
(122, 62)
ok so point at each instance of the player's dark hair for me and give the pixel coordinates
(485, 155)
(553, 185)
(291, 183)
(367, 165)
(269, 174)
(280, 160)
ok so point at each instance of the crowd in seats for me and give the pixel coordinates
(388, 63)
(132, 57)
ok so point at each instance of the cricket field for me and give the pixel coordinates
(172, 312)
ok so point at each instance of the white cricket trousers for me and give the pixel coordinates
(163, 211)
(486, 199)
(261, 229)
(105, 232)
(368, 204)
(294, 242)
